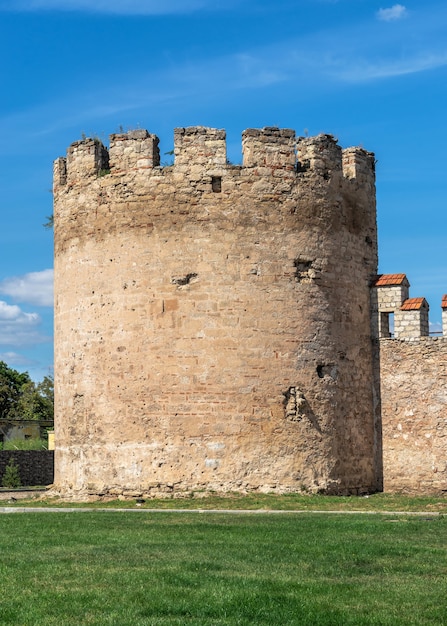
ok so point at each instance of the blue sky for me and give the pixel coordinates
(372, 73)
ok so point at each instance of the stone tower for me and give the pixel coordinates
(212, 321)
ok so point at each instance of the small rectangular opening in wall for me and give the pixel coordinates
(387, 325)
(216, 184)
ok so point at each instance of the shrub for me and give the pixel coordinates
(11, 477)
(25, 444)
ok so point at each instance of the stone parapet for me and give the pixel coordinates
(267, 152)
(136, 149)
(200, 146)
(358, 164)
(321, 154)
(85, 159)
(59, 173)
(269, 147)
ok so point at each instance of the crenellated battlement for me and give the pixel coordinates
(281, 175)
(136, 149)
(358, 164)
(397, 316)
(199, 146)
(201, 152)
(270, 148)
(86, 158)
(321, 154)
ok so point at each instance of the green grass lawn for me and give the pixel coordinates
(213, 569)
(256, 501)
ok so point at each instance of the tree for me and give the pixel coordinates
(46, 390)
(21, 398)
(35, 402)
(11, 477)
(11, 384)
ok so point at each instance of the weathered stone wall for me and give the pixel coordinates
(212, 324)
(36, 467)
(413, 377)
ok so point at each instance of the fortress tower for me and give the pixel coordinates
(212, 321)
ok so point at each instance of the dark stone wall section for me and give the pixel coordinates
(36, 467)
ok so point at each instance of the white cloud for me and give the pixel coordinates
(18, 328)
(396, 12)
(14, 314)
(8, 312)
(33, 288)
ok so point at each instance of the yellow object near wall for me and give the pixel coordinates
(51, 440)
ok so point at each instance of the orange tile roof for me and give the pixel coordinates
(444, 302)
(388, 280)
(414, 304)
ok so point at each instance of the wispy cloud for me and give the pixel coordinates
(33, 288)
(396, 12)
(179, 85)
(364, 70)
(15, 358)
(116, 7)
(320, 60)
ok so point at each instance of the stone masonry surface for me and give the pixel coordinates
(414, 414)
(212, 321)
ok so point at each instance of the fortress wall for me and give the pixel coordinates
(414, 414)
(212, 326)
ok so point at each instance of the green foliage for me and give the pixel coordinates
(11, 477)
(49, 223)
(11, 384)
(25, 444)
(35, 402)
(21, 398)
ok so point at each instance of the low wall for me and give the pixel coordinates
(36, 467)
(413, 379)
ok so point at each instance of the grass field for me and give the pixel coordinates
(213, 569)
(256, 501)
